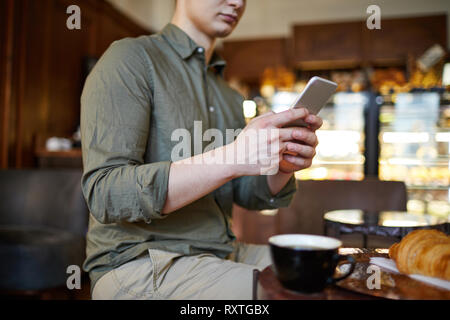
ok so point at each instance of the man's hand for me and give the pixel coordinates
(301, 150)
(259, 148)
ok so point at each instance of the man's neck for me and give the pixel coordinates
(199, 37)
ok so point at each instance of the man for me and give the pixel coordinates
(160, 229)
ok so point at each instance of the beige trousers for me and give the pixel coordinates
(165, 275)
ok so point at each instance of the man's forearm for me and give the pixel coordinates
(189, 181)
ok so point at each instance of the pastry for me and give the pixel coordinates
(425, 252)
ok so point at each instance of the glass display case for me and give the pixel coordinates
(340, 153)
(414, 147)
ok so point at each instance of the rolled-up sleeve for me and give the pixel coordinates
(115, 118)
(253, 193)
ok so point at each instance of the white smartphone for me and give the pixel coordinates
(316, 94)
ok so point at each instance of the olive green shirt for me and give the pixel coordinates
(140, 91)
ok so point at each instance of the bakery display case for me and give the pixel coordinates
(340, 153)
(414, 143)
(388, 119)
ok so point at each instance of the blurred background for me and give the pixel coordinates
(389, 120)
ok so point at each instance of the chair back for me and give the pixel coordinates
(314, 198)
(50, 198)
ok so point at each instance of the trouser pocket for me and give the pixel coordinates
(161, 262)
(134, 279)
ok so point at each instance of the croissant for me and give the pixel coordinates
(425, 252)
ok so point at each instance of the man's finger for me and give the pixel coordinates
(314, 122)
(300, 150)
(284, 118)
(300, 162)
(286, 134)
(305, 135)
(264, 115)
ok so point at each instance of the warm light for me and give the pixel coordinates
(249, 108)
(401, 223)
(320, 173)
(387, 117)
(339, 135)
(283, 100)
(345, 216)
(406, 137)
(267, 91)
(346, 251)
(443, 137)
(382, 250)
(338, 143)
(446, 75)
(402, 161)
(345, 98)
(269, 212)
(405, 219)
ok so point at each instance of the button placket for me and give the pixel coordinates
(204, 105)
(212, 108)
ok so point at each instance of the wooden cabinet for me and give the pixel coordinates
(246, 60)
(6, 30)
(352, 44)
(46, 63)
(322, 45)
(336, 45)
(398, 38)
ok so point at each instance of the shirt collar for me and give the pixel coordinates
(186, 47)
(218, 63)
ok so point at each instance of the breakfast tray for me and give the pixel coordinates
(392, 285)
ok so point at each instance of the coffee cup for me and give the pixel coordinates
(307, 263)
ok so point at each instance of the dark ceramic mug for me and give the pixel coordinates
(307, 263)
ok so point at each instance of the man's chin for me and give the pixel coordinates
(224, 33)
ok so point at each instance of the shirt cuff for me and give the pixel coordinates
(154, 187)
(281, 199)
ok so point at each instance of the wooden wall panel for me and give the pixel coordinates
(46, 70)
(110, 31)
(328, 42)
(399, 37)
(352, 44)
(6, 33)
(113, 26)
(247, 60)
(31, 85)
(64, 68)
(336, 45)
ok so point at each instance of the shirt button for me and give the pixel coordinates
(211, 109)
(200, 50)
(272, 200)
